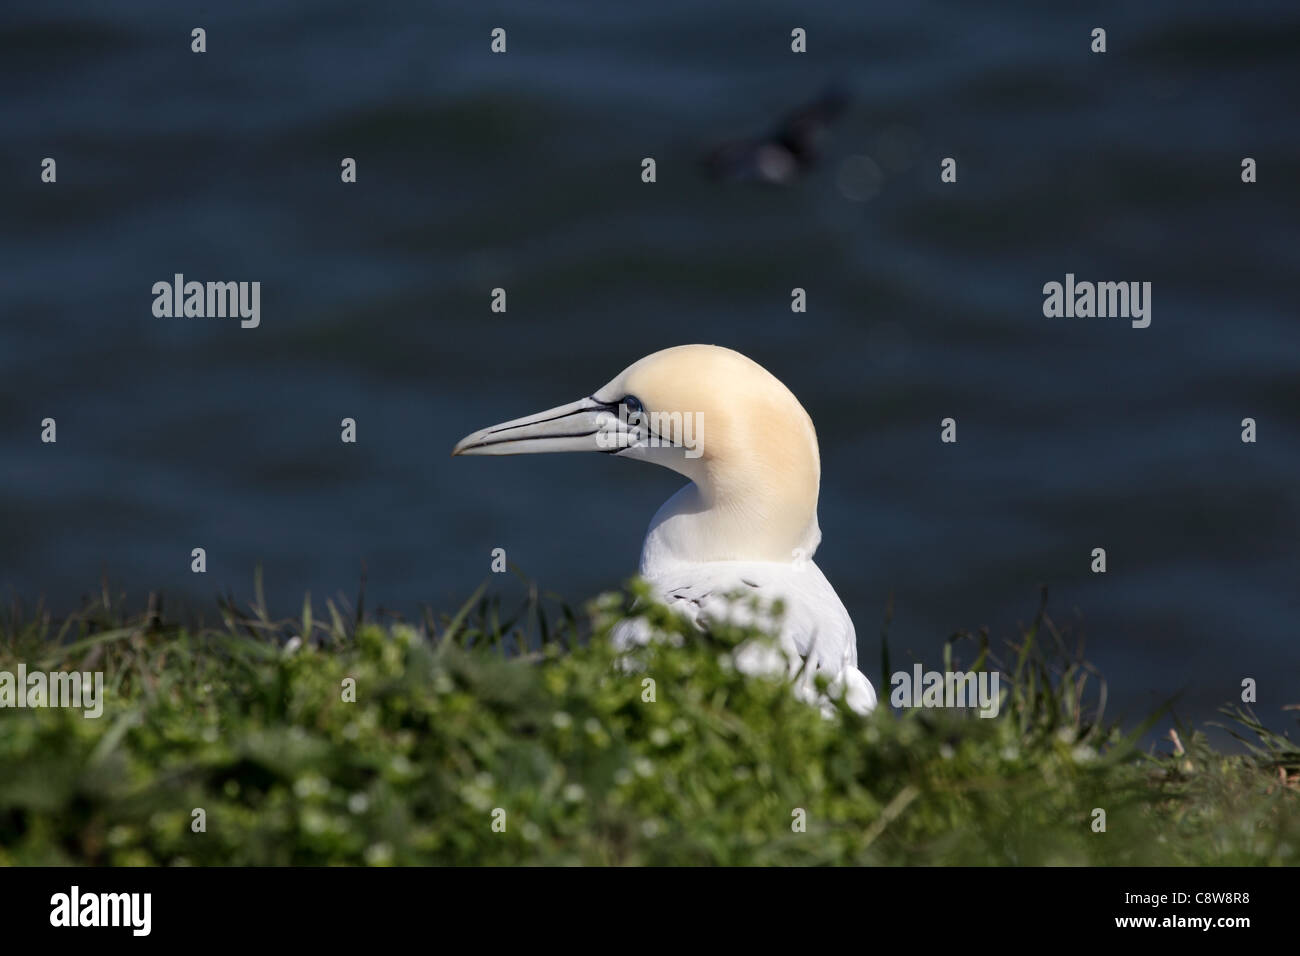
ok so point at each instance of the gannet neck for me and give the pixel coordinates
(688, 530)
(754, 486)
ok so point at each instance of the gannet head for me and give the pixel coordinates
(708, 413)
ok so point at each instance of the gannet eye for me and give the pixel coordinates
(632, 403)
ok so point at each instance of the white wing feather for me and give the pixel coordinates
(815, 631)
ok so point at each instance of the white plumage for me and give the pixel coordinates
(815, 630)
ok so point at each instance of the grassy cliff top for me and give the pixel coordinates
(341, 741)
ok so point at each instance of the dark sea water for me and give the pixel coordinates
(522, 171)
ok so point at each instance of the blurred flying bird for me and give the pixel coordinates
(745, 524)
(787, 152)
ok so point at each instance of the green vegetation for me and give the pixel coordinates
(489, 709)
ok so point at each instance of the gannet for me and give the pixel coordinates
(747, 521)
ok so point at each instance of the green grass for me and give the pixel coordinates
(495, 708)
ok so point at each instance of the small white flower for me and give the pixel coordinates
(310, 785)
(573, 793)
(379, 854)
(401, 765)
(759, 658)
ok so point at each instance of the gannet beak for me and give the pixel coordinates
(585, 425)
